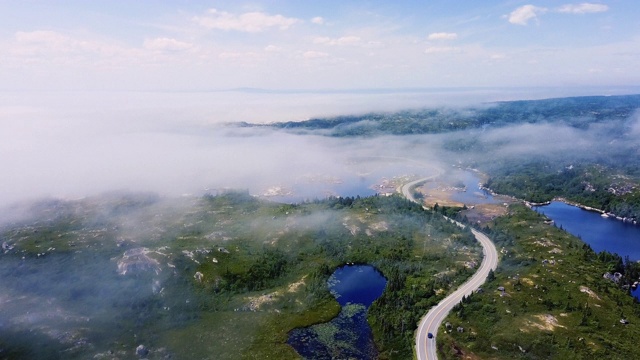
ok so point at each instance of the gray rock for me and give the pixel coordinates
(142, 351)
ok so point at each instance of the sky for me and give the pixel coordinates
(101, 95)
(186, 45)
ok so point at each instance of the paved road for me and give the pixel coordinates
(425, 347)
(406, 188)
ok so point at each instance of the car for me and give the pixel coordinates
(430, 335)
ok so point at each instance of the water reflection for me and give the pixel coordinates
(348, 336)
(600, 233)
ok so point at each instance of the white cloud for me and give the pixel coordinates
(344, 40)
(314, 54)
(40, 37)
(247, 22)
(523, 14)
(48, 45)
(442, 36)
(583, 8)
(166, 44)
(237, 55)
(272, 48)
(441, 49)
(317, 20)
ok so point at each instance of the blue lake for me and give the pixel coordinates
(599, 232)
(347, 336)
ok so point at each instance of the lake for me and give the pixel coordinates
(347, 336)
(599, 232)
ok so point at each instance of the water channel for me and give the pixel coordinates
(347, 336)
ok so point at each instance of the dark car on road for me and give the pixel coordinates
(430, 335)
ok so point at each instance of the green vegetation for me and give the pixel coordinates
(230, 275)
(603, 187)
(395, 235)
(547, 300)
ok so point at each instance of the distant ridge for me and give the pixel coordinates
(578, 112)
(360, 90)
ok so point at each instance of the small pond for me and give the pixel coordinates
(347, 336)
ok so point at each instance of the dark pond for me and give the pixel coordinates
(599, 232)
(348, 336)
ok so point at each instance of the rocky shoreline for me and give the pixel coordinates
(584, 207)
(530, 204)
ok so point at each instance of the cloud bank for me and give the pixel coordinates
(584, 8)
(442, 36)
(526, 13)
(246, 22)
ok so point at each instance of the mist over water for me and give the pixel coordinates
(75, 144)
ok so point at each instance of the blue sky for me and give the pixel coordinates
(207, 45)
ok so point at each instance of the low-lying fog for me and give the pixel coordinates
(76, 144)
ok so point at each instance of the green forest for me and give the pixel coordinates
(596, 186)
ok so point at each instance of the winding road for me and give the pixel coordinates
(425, 347)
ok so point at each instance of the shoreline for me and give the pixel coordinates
(530, 204)
(603, 213)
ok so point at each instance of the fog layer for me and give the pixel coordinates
(77, 144)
